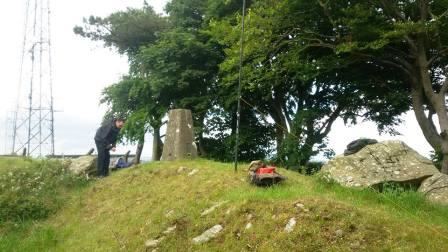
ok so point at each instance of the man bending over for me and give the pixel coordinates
(105, 140)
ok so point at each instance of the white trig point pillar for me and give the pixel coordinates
(179, 138)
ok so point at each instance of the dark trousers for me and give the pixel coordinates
(103, 160)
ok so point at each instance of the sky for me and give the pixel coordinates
(83, 68)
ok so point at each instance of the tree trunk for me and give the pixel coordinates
(439, 142)
(422, 91)
(281, 128)
(200, 136)
(201, 148)
(444, 169)
(429, 131)
(157, 145)
(279, 137)
(138, 152)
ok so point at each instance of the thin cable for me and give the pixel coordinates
(238, 113)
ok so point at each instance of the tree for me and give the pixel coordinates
(404, 39)
(182, 68)
(303, 93)
(128, 31)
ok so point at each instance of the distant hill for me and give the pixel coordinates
(162, 206)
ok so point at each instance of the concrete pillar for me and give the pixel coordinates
(179, 139)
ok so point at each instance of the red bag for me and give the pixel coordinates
(265, 170)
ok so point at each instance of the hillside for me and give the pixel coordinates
(168, 199)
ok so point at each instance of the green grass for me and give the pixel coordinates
(123, 211)
(33, 189)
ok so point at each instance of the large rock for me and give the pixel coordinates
(179, 141)
(84, 165)
(376, 164)
(208, 234)
(435, 188)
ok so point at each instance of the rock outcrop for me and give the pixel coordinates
(84, 165)
(435, 188)
(208, 234)
(376, 164)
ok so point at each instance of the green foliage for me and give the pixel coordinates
(437, 158)
(33, 189)
(306, 64)
(128, 31)
(303, 91)
(181, 67)
(124, 30)
(132, 97)
(217, 9)
(186, 13)
(310, 168)
(255, 143)
(390, 50)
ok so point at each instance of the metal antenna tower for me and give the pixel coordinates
(33, 122)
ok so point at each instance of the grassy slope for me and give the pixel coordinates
(131, 206)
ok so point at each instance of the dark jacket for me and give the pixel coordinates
(106, 135)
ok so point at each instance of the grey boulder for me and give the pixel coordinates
(84, 165)
(435, 188)
(376, 164)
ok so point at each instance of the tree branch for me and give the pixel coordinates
(428, 130)
(405, 66)
(392, 9)
(438, 55)
(326, 127)
(327, 11)
(444, 88)
(431, 113)
(411, 43)
(423, 7)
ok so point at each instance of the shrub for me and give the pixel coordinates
(33, 189)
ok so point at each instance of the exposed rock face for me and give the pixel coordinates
(388, 161)
(290, 226)
(211, 209)
(254, 165)
(179, 141)
(85, 165)
(435, 188)
(208, 234)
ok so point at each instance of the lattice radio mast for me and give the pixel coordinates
(33, 122)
